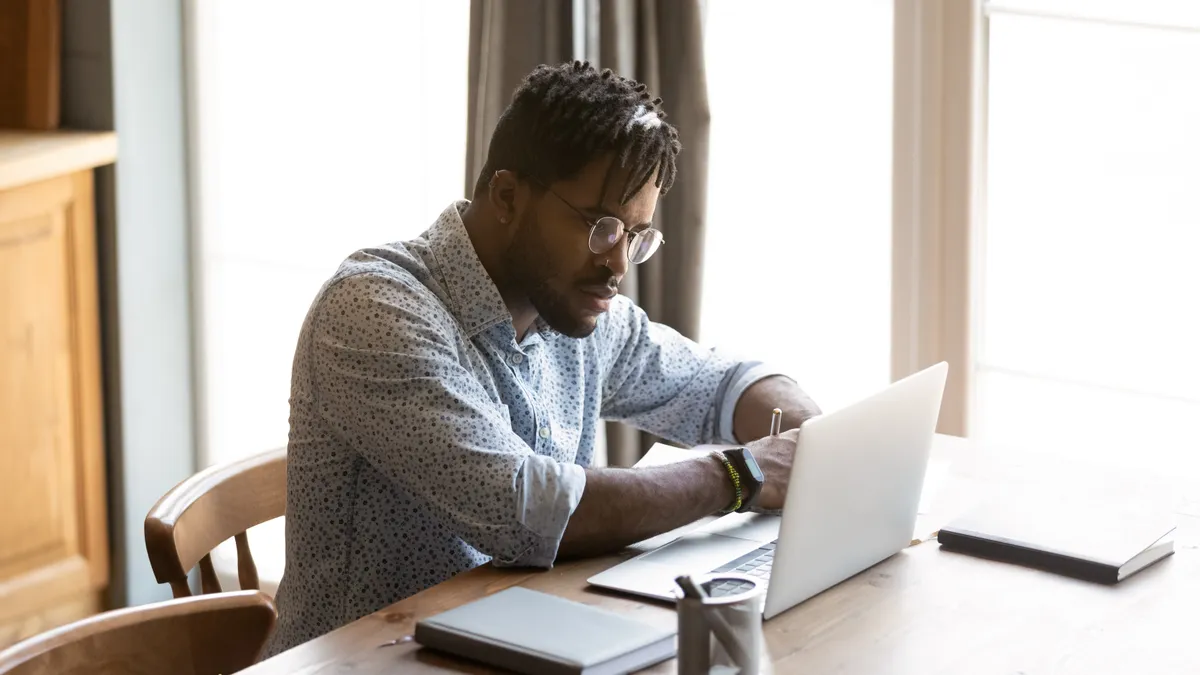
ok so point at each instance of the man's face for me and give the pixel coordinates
(549, 256)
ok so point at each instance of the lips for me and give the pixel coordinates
(597, 298)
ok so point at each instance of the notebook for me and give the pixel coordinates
(530, 632)
(1087, 540)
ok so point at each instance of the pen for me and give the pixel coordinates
(776, 419)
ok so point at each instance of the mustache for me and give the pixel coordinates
(606, 280)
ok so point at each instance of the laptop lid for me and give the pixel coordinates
(855, 487)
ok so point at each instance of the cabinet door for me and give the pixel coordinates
(53, 533)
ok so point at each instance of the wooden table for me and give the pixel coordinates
(923, 610)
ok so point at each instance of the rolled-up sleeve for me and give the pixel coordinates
(662, 382)
(388, 378)
(736, 382)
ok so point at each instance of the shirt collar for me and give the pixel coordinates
(475, 300)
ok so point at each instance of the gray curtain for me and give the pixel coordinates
(508, 39)
(661, 43)
(657, 42)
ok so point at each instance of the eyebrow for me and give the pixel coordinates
(600, 210)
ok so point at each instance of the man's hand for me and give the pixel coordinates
(774, 456)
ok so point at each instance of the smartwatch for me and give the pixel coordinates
(750, 476)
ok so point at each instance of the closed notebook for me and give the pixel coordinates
(530, 632)
(1092, 541)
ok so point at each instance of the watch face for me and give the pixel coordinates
(755, 472)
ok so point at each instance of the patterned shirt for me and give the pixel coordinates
(426, 439)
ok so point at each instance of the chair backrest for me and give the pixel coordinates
(204, 510)
(205, 635)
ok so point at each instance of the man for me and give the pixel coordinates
(446, 390)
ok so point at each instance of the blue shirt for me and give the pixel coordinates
(426, 439)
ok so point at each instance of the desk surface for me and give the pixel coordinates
(923, 610)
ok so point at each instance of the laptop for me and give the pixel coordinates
(852, 502)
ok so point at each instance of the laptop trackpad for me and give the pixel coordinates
(699, 552)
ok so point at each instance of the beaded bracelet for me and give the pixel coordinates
(733, 476)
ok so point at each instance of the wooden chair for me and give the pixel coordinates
(204, 510)
(205, 635)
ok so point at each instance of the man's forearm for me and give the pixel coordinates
(752, 414)
(620, 507)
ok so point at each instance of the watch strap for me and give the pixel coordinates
(734, 477)
(749, 486)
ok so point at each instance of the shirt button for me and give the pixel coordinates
(544, 432)
(516, 359)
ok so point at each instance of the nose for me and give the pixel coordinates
(617, 258)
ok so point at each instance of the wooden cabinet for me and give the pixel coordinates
(53, 516)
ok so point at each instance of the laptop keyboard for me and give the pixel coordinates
(756, 563)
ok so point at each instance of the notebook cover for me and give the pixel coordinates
(1083, 540)
(531, 632)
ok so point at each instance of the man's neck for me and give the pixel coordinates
(483, 231)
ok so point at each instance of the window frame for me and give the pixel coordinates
(938, 198)
(940, 181)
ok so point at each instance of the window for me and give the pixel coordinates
(1064, 163)
(798, 254)
(316, 132)
(1087, 335)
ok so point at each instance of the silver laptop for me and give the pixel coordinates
(852, 502)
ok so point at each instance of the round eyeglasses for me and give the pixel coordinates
(607, 231)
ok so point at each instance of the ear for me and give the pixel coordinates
(506, 197)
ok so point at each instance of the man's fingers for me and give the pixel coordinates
(791, 434)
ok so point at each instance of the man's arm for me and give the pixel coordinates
(752, 414)
(624, 506)
(620, 507)
(660, 381)
(388, 380)
(386, 377)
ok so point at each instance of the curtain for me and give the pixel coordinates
(508, 39)
(661, 44)
(657, 42)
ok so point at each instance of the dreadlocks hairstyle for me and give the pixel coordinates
(563, 117)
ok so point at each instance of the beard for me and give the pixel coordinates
(532, 268)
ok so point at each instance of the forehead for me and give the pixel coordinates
(588, 190)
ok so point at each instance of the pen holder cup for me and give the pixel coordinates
(738, 605)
